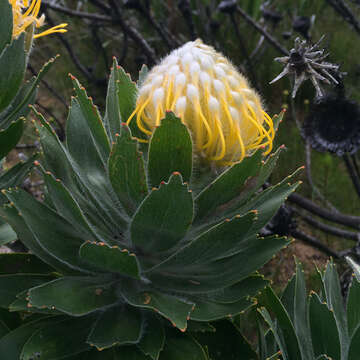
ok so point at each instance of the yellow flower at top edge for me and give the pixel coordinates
(224, 115)
(26, 13)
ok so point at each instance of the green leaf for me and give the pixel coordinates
(288, 342)
(13, 217)
(355, 266)
(12, 285)
(65, 240)
(127, 171)
(226, 342)
(121, 325)
(66, 205)
(221, 241)
(112, 118)
(89, 186)
(58, 340)
(220, 273)
(7, 234)
(11, 344)
(127, 92)
(335, 303)
(20, 104)
(92, 116)
(11, 320)
(352, 307)
(227, 187)
(10, 137)
(16, 174)
(354, 348)
(163, 218)
(269, 201)
(324, 331)
(111, 259)
(211, 311)
(170, 150)
(153, 339)
(142, 75)
(22, 263)
(175, 309)
(6, 24)
(76, 296)
(12, 70)
(180, 347)
(226, 302)
(300, 314)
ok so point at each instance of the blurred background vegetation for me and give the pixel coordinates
(144, 31)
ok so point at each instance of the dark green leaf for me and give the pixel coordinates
(335, 302)
(11, 285)
(153, 339)
(354, 348)
(11, 344)
(111, 259)
(120, 325)
(92, 116)
(65, 240)
(170, 150)
(164, 217)
(353, 306)
(220, 273)
(211, 311)
(7, 234)
(12, 70)
(300, 314)
(58, 340)
(355, 266)
(20, 104)
(66, 205)
(180, 347)
(76, 296)
(288, 342)
(6, 24)
(16, 174)
(12, 216)
(127, 172)
(175, 309)
(324, 332)
(226, 343)
(112, 118)
(127, 92)
(228, 186)
(22, 264)
(10, 137)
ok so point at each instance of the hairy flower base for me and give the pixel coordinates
(26, 13)
(213, 99)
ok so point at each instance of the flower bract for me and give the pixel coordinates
(225, 116)
(26, 13)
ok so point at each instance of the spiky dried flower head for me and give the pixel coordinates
(202, 87)
(307, 62)
(26, 13)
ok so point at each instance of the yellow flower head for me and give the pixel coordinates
(26, 13)
(202, 87)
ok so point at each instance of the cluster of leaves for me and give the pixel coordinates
(15, 98)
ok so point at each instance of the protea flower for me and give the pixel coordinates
(225, 116)
(26, 13)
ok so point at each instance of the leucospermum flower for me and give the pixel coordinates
(202, 87)
(26, 13)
